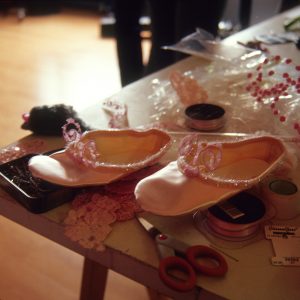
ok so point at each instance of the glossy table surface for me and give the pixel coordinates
(131, 252)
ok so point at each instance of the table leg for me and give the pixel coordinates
(154, 295)
(93, 280)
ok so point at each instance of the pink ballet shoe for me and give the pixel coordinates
(101, 156)
(169, 192)
(207, 173)
(240, 164)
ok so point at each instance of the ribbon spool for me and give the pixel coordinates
(237, 218)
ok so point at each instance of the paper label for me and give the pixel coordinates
(286, 244)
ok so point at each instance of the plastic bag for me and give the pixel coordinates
(201, 43)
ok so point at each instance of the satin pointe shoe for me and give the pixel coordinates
(101, 156)
(207, 173)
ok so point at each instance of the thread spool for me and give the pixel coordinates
(284, 196)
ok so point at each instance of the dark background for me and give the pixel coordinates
(42, 7)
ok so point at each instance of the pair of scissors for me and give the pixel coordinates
(192, 261)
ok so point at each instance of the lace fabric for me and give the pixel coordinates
(94, 210)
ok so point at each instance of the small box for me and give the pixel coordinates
(34, 194)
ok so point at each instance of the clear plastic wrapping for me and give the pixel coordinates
(259, 92)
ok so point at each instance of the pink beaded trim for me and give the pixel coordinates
(198, 159)
(188, 89)
(206, 156)
(118, 114)
(73, 134)
(86, 152)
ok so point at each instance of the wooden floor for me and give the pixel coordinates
(45, 60)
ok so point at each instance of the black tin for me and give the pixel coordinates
(34, 194)
(205, 116)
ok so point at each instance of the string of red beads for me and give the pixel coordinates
(277, 91)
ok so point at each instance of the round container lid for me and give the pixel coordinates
(205, 116)
(204, 111)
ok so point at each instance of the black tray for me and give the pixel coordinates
(34, 194)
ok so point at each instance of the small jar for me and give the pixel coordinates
(205, 117)
(284, 196)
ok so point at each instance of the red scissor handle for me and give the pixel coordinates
(195, 252)
(179, 264)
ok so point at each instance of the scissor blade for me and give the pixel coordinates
(151, 229)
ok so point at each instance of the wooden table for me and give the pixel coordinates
(250, 276)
